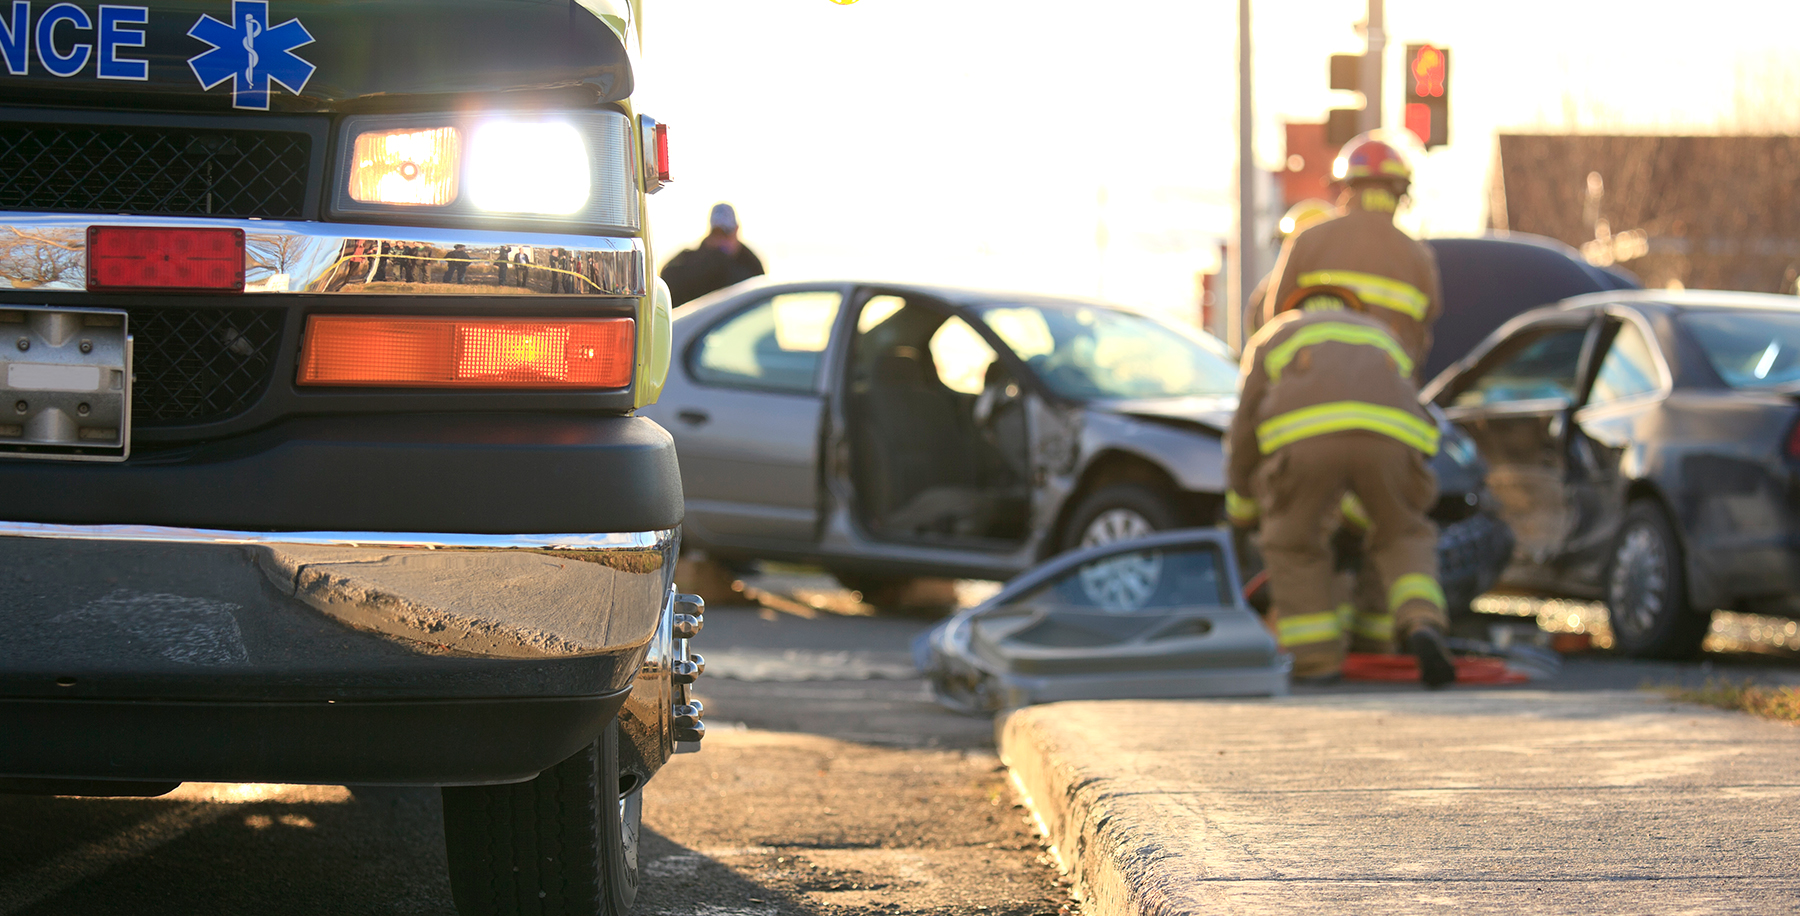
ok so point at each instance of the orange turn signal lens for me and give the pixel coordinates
(430, 352)
(416, 167)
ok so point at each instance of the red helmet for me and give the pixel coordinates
(1366, 158)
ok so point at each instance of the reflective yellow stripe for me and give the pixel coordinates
(1241, 509)
(1375, 626)
(1335, 332)
(1415, 586)
(1353, 510)
(1373, 289)
(1346, 614)
(1306, 629)
(1338, 416)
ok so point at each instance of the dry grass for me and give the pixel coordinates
(1780, 703)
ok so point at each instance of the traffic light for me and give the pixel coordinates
(1427, 83)
(1346, 74)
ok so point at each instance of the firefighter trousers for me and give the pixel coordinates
(1300, 489)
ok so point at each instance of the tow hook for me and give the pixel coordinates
(690, 616)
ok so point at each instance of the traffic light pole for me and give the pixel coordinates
(1376, 36)
(1244, 272)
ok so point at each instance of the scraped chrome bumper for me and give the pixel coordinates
(147, 653)
(298, 256)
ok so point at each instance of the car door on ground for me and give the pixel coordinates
(1515, 404)
(746, 416)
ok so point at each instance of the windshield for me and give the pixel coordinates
(1749, 349)
(1089, 352)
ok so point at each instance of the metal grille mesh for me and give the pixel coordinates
(153, 170)
(200, 364)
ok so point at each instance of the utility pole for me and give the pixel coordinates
(1244, 272)
(1376, 37)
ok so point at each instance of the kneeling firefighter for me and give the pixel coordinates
(1327, 407)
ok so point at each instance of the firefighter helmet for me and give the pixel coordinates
(1304, 214)
(1368, 159)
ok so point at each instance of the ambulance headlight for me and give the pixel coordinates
(472, 170)
(529, 167)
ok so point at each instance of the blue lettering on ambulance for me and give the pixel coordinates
(63, 64)
(15, 39)
(122, 27)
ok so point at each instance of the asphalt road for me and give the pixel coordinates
(829, 784)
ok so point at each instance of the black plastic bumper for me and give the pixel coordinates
(472, 473)
(406, 742)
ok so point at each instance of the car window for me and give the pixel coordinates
(773, 345)
(961, 356)
(1091, 352)
(1143, 580)
(1536, 365)
(1629, 368)
(1749, 349)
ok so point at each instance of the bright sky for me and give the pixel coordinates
(1087, 148)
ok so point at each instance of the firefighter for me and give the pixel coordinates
(1297, 217)
(1327, 408)
(1361, 249)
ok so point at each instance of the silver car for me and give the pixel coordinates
(891, 430)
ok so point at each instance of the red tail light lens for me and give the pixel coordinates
(1793, 443)
(132, 258)
(662, 154)
(432, 352)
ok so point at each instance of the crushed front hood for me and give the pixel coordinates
(310, 55)
(1212, 414)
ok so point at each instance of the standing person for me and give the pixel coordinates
(500, 258)
(1326, 408)
(522, 258)
(717, 262)
(1298, 217)
(1362, 250)
(456, 264)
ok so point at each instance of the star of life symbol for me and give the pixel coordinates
(251, 54)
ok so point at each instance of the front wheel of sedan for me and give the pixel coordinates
(564, 843)
(1646, 594)
(1119, 512)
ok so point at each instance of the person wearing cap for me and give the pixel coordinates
(720, 260)
(1362, 250)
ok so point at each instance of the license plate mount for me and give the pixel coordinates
(65, 383)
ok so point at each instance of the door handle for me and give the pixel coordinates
(693, 417)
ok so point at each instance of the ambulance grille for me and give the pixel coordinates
(160, 170)
(200, 364)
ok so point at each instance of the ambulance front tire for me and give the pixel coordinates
(564, 842)
(1118, 512)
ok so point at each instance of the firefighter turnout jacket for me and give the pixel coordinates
(1362, 250)
(1329, 425)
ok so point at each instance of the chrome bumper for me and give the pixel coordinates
(294, 256)
(528, 596)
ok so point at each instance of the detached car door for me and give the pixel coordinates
(745, 410)
(1515, 404)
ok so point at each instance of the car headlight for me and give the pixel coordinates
(469, 168)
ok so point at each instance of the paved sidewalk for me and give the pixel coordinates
(1398, 803)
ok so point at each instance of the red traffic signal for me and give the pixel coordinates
(1427, 83)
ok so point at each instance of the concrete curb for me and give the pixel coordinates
(1467, 802)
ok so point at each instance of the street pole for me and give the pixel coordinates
(1244, 272)
(1375, 35)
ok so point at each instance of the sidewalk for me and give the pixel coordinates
(1398, 803)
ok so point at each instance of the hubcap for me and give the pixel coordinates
(1637, 599)
(631, 819)
(1127, 581)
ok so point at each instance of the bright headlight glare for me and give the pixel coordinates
(416, 167)
(528, 167)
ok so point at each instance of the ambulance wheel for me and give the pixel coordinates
(1119, 512)
(564, 842)
(1646, 594)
